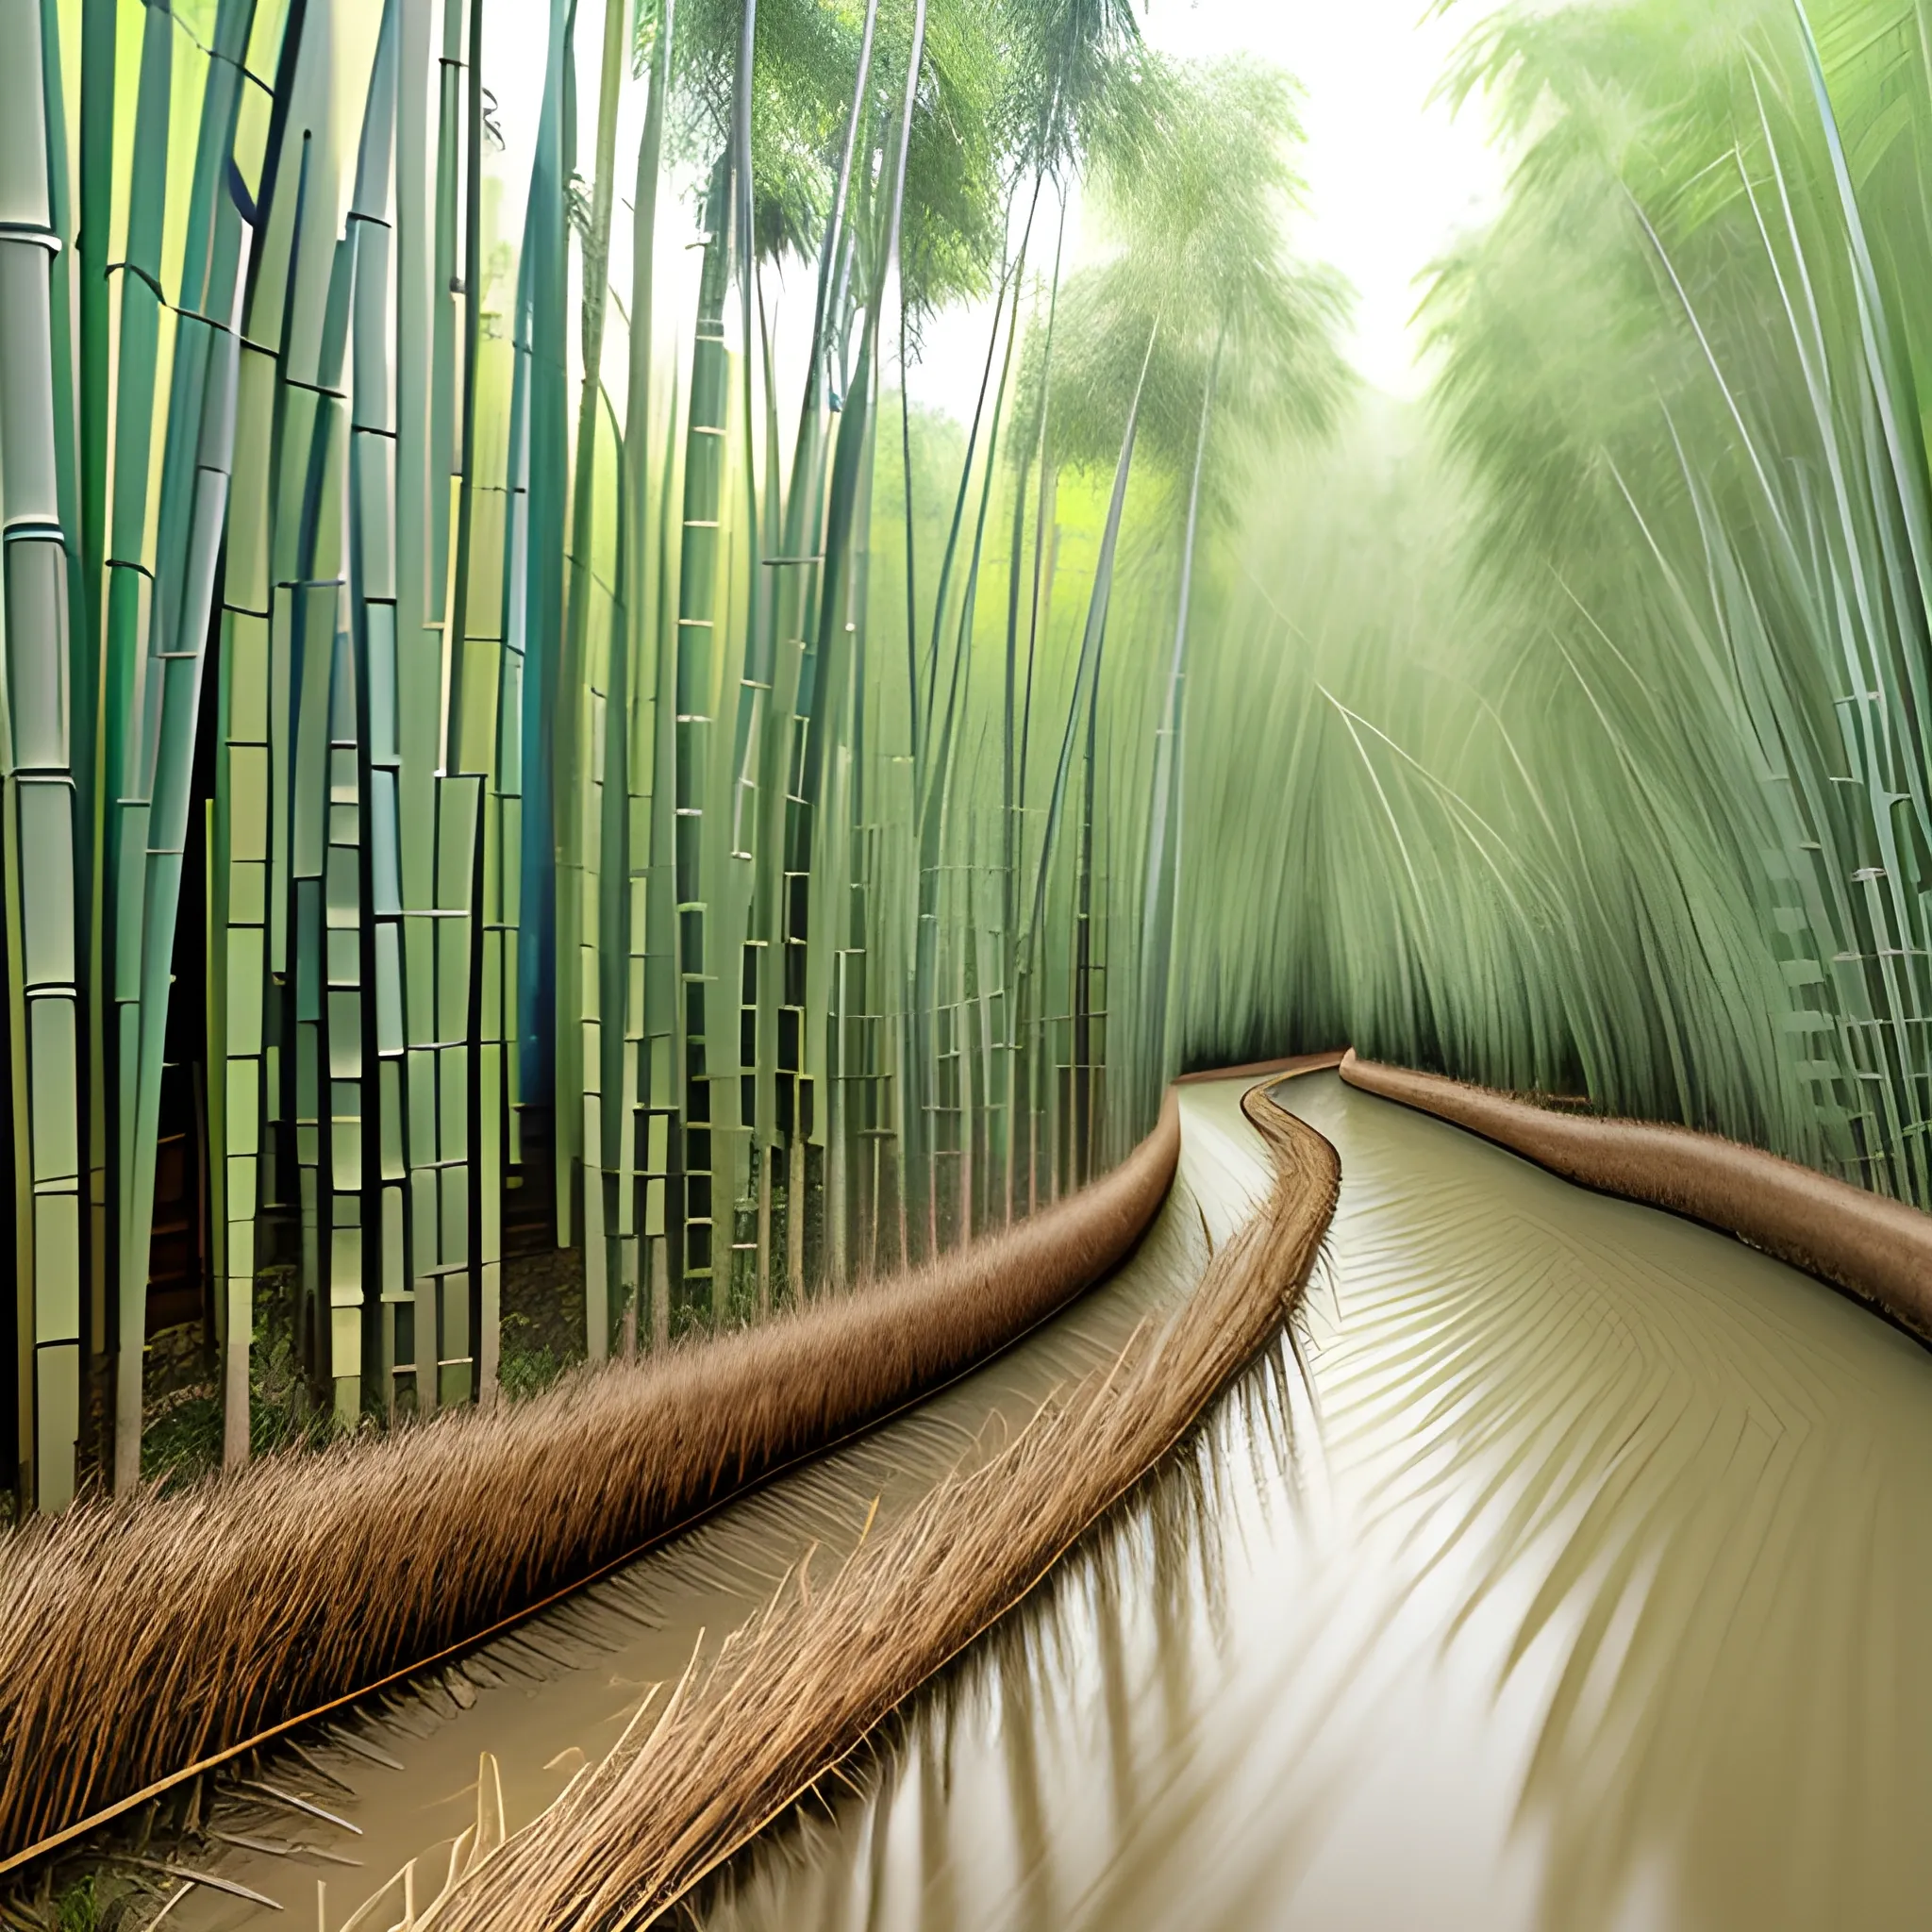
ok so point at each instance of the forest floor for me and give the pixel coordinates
(542, 1335)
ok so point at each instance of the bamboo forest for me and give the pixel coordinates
(968, 964)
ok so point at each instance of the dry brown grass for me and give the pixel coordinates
(141, 1638)
(1879, 1249)
(705, 1767)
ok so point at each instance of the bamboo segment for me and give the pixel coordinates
(700, 564)
(242, 900)
(369, 622)
(43, 926)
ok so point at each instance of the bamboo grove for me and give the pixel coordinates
(517, 713)
(504, 692)
(1595, 688)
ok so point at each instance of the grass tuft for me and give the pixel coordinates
(529, 1363)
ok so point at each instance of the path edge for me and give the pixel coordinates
(1877, 1249)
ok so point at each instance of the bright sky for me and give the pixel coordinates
(1392, 178)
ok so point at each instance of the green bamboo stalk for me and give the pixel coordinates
(1093, 636)
(578, 1044)
(831, 661)
(364, 963)
(546, 946)
(409, 732)
(470, 708)
(156, 680)
(129, 585)
(1161, 898)
(239, 908)
(99, 52)
(609, 952)
(649, 1090)
(43, 925)
(780, 1034)
(699, 619)
(1024, 1078)
(937, 786)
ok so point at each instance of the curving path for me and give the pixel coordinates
(1577, 1578)
(558, 1692)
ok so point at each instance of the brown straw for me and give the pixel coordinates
(1879, 1249)
(146, 1639)
(702, 1770)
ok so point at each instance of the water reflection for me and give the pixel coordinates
(559, 1689)
(1566, 1569)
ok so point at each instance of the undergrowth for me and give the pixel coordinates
(528, 1362)
(182, 1442)
(95, 1902)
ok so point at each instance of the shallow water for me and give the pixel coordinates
(559, 1690)
(1582, 1582)
(1568, 1570)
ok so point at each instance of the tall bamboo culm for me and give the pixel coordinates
(467, 763)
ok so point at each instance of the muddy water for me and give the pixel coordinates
(560, 1690)
(1579, 1577)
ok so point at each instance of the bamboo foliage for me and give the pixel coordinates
(456, 749)
(1595, 701)
(1776, 507)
